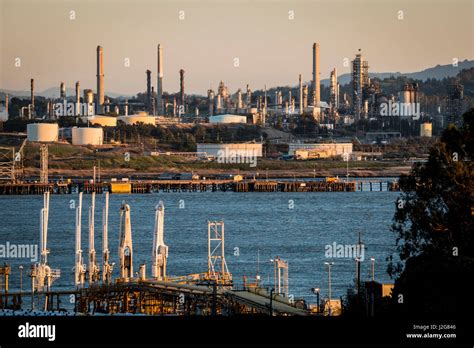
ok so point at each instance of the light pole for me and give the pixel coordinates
(329, 264)
(316, 291)
(373, 268)
(21, 280)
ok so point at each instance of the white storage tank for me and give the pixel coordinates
(87, 136)
(141, 117)
(228, 118)
(103, 121)
(42, 132)
(426, 129)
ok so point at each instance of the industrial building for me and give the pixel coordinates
(228, 151)
(228, 118)
(87, 136)
(360, 80)
(319, 150)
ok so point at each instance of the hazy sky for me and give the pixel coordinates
(272, 48)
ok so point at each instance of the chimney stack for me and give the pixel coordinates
(32, 90)
(316, 82)
(62, 90)
(100, 80)
(181, 77)
(148, 91)
(78, 99)
(159, 82)
(301, 95)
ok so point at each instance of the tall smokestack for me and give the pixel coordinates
(159, 82)
(62, 90)
(316, 82)
(301, 95)
(78, 99)
(32, 91)
(148, 91)
(153, 103)
(181, 78)
(100, 80)
(6, 105)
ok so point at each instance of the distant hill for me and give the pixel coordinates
(438, 72)
(52, 92)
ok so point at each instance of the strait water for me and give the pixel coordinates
(295, 226)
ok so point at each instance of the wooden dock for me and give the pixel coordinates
(151, 186)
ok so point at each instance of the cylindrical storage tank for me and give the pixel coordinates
(42, 132)
(228, 118)
(87, 136)
(426, 129)
(406, 97)
(141, 117)
(103, 121)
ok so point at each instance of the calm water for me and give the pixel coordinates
(253, 221)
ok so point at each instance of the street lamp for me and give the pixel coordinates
(373, 268)
(329, 264)
(316, 291)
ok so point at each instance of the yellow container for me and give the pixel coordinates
(120, 187)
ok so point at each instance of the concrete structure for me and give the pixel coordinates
(159, 81)
(316, 77)
(103, 121)
(426, 129)
(228, 118)
(100, 81)
(42, 132)
(141, 117)
(228, 151)
(327, 149)
(87, 136)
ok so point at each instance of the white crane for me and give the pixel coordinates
(93, 268)
(80, 267)
(106, 266)
(160, 250)
(125, 247)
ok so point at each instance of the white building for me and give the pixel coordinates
(330, 149)
(245, 150)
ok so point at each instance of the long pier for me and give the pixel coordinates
(151, 186)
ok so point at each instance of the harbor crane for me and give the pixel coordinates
(80, 267)
(160, 250)
(107, 267)
(93, 268)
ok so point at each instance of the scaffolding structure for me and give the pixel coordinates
(44, 164)
(280, 270)
(216, 264)
(7, 164)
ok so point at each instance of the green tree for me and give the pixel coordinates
(434, 227)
